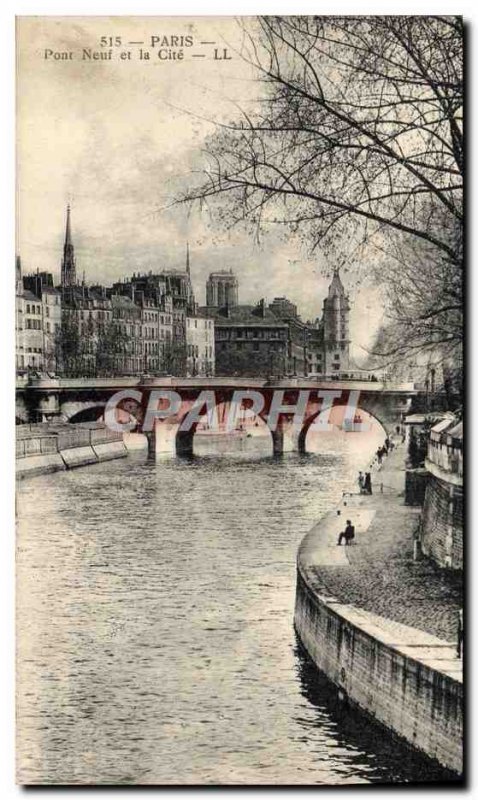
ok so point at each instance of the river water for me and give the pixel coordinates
(155, 625)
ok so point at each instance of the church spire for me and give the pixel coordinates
(188, 267)
(68, 227)
(336, 286)
(68, 264)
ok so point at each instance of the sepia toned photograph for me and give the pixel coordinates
(239, 401)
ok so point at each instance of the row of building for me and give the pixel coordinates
(151, 323)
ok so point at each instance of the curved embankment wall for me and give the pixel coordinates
(404, 678)
(41, 449)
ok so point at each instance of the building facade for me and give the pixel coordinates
(273, 339)
(200, 346)
(151, 323)
(38, 321)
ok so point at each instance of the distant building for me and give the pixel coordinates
(273, 339)
(250, 340)
(222, 289)
(151, 323)
(336, 328)
(200, 345)
(33, 330)
(38, 321)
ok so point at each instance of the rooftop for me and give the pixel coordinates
(243, 315)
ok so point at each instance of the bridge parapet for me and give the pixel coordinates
(170, 382)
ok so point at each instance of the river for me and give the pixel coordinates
(155, 625)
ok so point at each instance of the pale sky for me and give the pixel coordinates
(117, 138)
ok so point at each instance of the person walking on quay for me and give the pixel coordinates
(361, 482)
(368, 483)
(348, 534)
(379, 455)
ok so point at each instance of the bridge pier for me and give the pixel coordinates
(163, 440)
(286, 440)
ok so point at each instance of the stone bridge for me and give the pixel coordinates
(85, 399)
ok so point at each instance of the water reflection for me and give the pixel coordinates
(360, 736)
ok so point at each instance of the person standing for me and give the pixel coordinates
(361, 481)
(368, 483)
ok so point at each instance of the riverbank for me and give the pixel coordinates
(379, 624)
(43, 448)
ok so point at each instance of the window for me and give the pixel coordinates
(28, 308)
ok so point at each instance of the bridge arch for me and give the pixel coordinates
(168, 438)
(336, 419)
(75, 411)
(92, 413)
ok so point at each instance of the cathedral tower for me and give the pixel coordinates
(222, 289)
(336, 327)
(68, 264)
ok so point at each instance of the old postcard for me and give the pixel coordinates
(239, 436)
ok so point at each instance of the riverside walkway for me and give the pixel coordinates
(377, 573)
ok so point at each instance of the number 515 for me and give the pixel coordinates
(110, 41)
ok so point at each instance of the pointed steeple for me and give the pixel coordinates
(188, 266)
(68, 228)
(68, 264)
(336, 286)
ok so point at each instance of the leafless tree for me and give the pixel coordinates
(360, 125)
(358, 140)
(424, 313)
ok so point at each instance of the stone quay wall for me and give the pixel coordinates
(42, 448)
(404, 678)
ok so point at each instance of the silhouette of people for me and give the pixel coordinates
(368, 483)
(348, 534)
(380, 455)
(361, 481)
